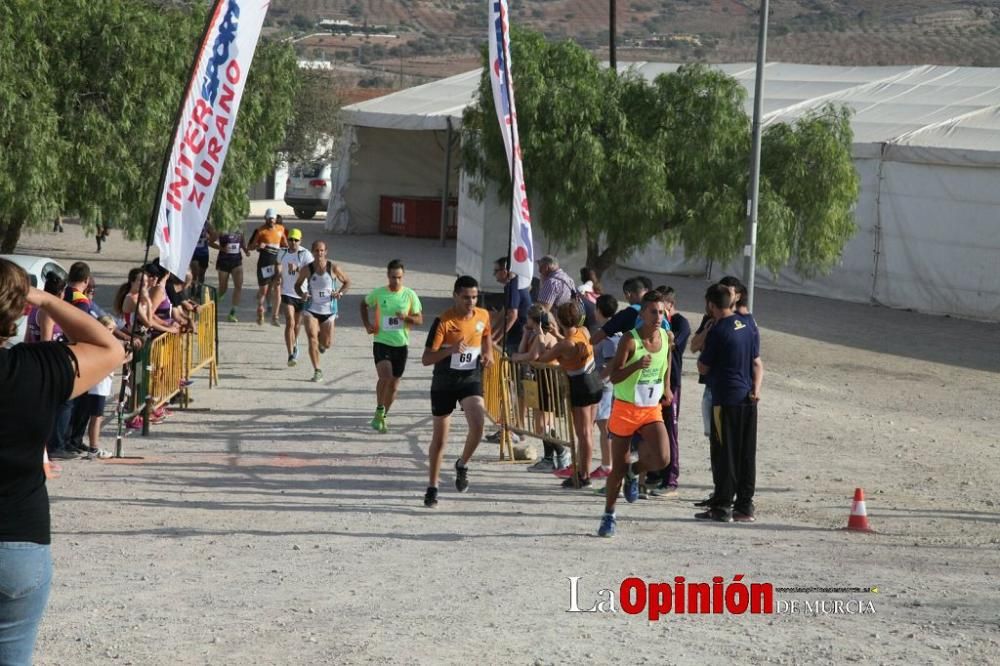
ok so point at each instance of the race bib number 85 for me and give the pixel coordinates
(392, 323)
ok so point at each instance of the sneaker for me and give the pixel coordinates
(607, 528)
(601, 472)
(260, 318)
(461, 477)
(543, 465)
(741, 517)
(565, 472)
(663, 492)
(291, 361)
(707, 502)
(232, 318)
(317, 375)
(493, 438)
(431, 498)
(563, 460)
(63, 454)
(630, 486)
(383, 426)
(570, 483)
(322, 349)
(97, 454)
(715, 514)
(603, 491)
(295, 351)
(275, 322)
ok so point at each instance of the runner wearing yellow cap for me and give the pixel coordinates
(290, 261)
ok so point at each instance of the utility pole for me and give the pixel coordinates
(750, 249)
(613, 10)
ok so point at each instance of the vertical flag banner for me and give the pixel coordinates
(205, 125)
(521, 246)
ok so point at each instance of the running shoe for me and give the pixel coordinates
(565, 472)
(563, 460)
(715, 514)
(741, 517)
(260, 318)
(705, 502)
(275, 321)
(631, 484)
(494, 438)
(383, 426)
(571, 484)
(603, 491)
(97, 454)
(607, 528)
(317, 375)
(543, 465)
(322, 349)
(295, 351)
(291, 361)
(461, 477)
(431, 498)
(663, 491)
(63, 454)
(232, 318)
(601, 472)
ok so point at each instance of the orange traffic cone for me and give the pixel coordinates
(858, 522)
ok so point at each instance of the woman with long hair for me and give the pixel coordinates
(35, 379)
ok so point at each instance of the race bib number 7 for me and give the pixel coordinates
(648, 395)
(467, 360)
(392, 323)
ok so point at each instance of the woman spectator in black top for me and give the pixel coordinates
(34, 380)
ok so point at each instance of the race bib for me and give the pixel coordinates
(232, 248)
(267, 271)
(648, 395)
(293, 269)
(392, 323)
(467, 360)
(322, 296)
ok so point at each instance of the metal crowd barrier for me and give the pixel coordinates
(530, 399)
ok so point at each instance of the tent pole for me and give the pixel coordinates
(447, 183)
(750, 249)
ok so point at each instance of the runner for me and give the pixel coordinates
(326, 285)
(268, 239)
(397, 308)
(199, 260)
(231, 249)
(458, 346)
(290, 261)
(638, 372)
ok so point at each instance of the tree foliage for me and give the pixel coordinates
(88, 99)
(616, 162)
(315, 121)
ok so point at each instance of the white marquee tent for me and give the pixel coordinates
(927, 148)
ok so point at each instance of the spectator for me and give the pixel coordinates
(36, 380)
(681, 329)
(41, 327)
(556, 287)
(628, 319)
(590, 286)
(516, 303)
(96, 400)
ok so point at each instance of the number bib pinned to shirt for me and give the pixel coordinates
(322, 297)
(648, 394)
(467, 360)
(392, 323)
(267, 271)
(232, 248)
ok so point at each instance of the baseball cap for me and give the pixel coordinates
(295, 234)
(270, 214)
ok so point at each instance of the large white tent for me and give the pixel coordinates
(927, 148)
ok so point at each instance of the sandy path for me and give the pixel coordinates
(270, 526)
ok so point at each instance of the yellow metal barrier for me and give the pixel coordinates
(530, 399)
(203, 345)
(168, 362)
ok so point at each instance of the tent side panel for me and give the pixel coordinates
(940, 240)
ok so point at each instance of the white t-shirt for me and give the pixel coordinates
(104, 386)
(291, 264)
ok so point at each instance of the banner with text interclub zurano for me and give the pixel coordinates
(521, 245)
(201, 138)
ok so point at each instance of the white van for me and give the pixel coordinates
(308, 188)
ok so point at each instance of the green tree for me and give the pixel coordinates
(93, 92)
(315, 121)
(30, 178)
(615, 163)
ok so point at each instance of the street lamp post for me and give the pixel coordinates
(750, 249)
(612, 9)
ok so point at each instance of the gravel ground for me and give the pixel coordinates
(269, 525)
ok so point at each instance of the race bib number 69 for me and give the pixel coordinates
(467, 360)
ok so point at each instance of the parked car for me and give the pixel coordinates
(308, 188)
(38, 268)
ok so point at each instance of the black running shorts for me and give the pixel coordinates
(395, 355)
